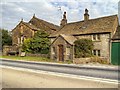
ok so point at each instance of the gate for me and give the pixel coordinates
(115, 53)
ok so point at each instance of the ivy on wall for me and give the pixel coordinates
(83, 48)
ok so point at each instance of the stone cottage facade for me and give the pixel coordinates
(25, 30)
(99, 30)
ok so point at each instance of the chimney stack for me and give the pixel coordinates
(64, 20)
(86, 15)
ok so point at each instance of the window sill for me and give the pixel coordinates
(96, 40)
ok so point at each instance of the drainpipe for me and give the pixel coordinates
(110, 47)
(73, 53)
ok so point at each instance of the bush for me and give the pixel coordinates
(26, 47)
(38, 44)
(83, 48)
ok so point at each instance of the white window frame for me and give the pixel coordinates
(96, 37)
(96, 51)
(67, 50)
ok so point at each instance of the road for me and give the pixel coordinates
(97, 73)
(21, 78)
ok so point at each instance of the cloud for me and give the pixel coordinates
(49, 10)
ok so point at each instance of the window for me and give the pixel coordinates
(94, 52)
(22, 39)
(98, 52)
(98, 36)
(53, 50)
(94, 37)
(68, 50)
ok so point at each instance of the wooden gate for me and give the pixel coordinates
(115, 54)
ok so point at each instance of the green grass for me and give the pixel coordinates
(28, 58)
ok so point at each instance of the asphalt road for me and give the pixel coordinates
(14, 78)
(98, 73)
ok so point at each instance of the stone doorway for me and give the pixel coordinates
(61, 51)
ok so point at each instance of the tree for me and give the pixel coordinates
(38, 44)
(27, 45)
(6, 38)
(83, 48)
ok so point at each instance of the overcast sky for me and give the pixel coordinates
(49, 10)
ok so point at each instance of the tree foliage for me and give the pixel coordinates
(6, 38)
(83, 48)
(38, 44)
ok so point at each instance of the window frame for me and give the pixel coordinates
(94, 52)
(68, 48)
(96, 37)
(99, 54)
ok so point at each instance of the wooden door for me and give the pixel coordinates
(61, 51)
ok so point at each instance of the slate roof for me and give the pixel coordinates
(70, 39)
(41, 23)
(98, 25)
(117, 34)
(28, 25)
(31, 26)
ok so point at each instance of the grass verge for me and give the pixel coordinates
(39, 59)
(27, 58)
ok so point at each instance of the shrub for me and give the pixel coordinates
(83, 48)
(38, 44)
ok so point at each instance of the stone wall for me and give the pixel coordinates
(101, 60)
(38, 55)
(8, 49)
(19, 31)
(103, 44)
(81, 60)
(55, 52)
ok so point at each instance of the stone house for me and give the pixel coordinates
(25, 30)
(99, 30)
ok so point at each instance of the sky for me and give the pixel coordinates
(12, 11)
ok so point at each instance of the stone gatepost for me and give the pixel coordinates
(6, 49)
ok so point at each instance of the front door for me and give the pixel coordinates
(61, 51)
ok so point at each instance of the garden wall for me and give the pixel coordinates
(38, 55)
(100, 60)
